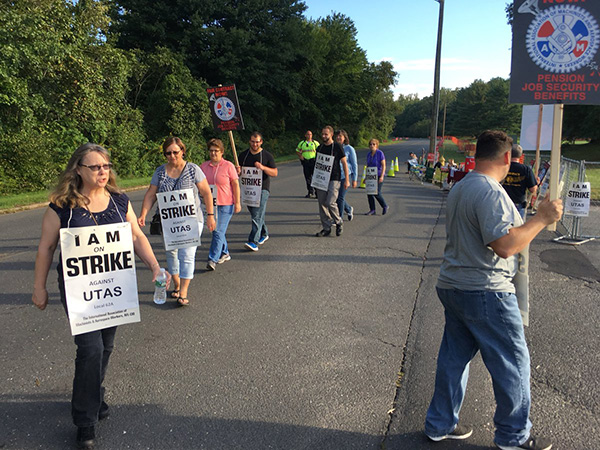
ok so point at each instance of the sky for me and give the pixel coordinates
(476, 39)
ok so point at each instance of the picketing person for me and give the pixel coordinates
(178, 174)
(485, 233)
(258, 158)
(520, 180)
(331, 161)
(223, 175)
(86, 196)
(341, 137)
(376, 158)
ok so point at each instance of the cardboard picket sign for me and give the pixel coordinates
(577, 201)
(213, 192)
(371, 181)
(179, 218)
(100, 281)
(251, 180)
(322, 172)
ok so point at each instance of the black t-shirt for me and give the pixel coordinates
(519, 179)
(247, 159)
(337, 151)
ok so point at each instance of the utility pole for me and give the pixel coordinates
(436, 82)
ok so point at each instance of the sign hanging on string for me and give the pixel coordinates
(179, 218)
(251, 186)
(322, 172)
(371, 181)
(577, 202)
(98, 265)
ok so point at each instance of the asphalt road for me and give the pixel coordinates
(310, 343)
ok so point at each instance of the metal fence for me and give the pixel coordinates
(573, 171)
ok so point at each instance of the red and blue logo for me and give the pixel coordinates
(563, 39)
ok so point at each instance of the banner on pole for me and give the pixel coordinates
(225, 108)
(98, 265)
(555, 56)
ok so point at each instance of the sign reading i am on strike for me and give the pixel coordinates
(555, 52)
(322, 172)
(179, 218)
(577, 202)
(251, 190)
(98, 265)
(225, 108)
(371, 181)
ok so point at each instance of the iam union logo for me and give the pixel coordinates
(562, 39)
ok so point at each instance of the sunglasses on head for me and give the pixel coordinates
(96, 167)
(174, 152)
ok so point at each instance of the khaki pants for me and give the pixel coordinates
(328, 208)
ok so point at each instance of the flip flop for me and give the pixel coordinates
(175, 293)
(183, 301)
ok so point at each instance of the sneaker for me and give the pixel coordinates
(308, 195)
(339, 229)
(251, 246)
(533, 443)
(385, 210)
(460, 432)
(370, 213)
(263, 239)
(85, 437)
(323, 233)
(351, 214)
(224, 258)
(211, 265)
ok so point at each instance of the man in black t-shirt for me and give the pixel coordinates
(519, 180)
(255, 156)
(328, 209)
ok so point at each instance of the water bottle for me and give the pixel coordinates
(160, 288)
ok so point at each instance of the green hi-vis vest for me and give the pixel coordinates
(308, 149)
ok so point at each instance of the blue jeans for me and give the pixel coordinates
(93, 351)
(259, 228)
(379, 198)
(343, 205)
(218, 245)
(489, 322)
(181, 261)
(522, 210)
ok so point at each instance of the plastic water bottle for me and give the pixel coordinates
(160, 288)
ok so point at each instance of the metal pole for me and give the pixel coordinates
(436, 82)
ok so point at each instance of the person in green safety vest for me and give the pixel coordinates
(307, 151)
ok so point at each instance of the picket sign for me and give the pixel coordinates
(99, 271)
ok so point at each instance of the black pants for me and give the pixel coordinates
(91, 360)
(308, 166)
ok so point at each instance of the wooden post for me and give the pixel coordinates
(538, 141)
(555, 156)
(232, 142)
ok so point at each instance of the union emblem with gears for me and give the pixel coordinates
(563, 39)
(224, 108)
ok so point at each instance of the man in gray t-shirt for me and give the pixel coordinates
(485, 233)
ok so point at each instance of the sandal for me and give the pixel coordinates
(183, 301)
(175, 293)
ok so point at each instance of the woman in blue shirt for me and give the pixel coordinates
(341, 138)
(376, 158)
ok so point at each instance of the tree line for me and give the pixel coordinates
(127, 73)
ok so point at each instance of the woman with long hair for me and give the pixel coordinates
(86, 196)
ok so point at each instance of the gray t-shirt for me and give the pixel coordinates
(478, 212)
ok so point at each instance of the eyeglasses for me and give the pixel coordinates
(255, 142)
(96, 167)
(174, 153)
